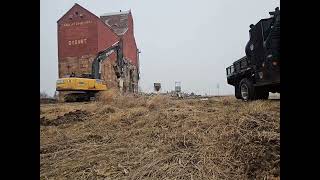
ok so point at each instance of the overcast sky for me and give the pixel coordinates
(180, 40)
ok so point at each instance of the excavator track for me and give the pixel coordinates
(79, 97)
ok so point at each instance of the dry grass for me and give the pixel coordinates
(131, 137)
(108, 96)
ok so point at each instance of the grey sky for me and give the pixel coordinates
(180, 40)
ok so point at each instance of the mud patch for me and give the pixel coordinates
(74, 116)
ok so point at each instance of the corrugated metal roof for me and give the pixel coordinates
(117, 21)
(115, 13)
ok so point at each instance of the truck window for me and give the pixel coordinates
(230, 70)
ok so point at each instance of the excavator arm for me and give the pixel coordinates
(103, 55)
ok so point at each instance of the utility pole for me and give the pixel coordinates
(218, 86)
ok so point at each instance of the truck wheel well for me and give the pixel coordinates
(244, 76)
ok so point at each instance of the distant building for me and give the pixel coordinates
(81, 35)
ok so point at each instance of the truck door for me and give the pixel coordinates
(256, 52)
(271, 63)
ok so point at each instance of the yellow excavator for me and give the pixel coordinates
(86, 86)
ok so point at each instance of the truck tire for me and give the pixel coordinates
(237, 91)
(247, 90)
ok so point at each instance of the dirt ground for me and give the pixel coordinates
(160, 138)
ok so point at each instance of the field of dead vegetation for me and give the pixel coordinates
(135, 137)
